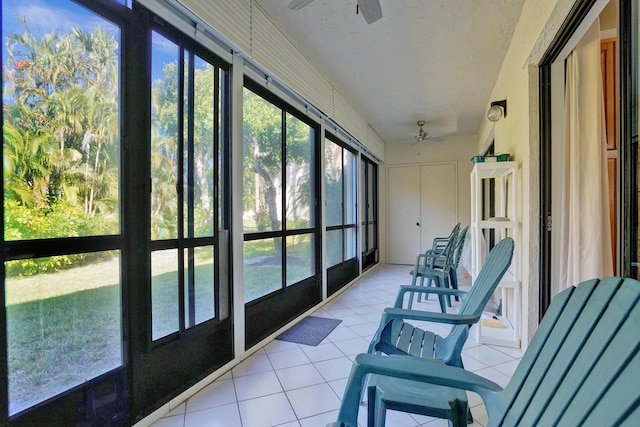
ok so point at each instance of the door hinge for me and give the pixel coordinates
(549, 223)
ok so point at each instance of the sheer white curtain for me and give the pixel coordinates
(585, 230)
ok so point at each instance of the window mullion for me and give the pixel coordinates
(190, 171)
(283, 197)
(216, 185)
(180, 187)
(342, 202)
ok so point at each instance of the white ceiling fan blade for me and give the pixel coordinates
(371, 10)
(444, 125)
(298, 4)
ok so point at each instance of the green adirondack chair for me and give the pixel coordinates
(395, 336)
(581, 368)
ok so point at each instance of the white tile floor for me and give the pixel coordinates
(286, 384)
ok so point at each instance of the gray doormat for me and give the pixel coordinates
(309, 331)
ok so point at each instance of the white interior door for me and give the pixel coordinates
(423, 204)
(404, 214)
(438, 201)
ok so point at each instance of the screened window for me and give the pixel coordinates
(61, 186)
(185, 132)
(341, 203)
(278, 198)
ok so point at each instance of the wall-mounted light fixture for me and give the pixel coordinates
(497, 110)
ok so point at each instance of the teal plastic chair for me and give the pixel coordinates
(395, 336)
(440, 243)
(453, 274)
(580, 369)
(435, 267)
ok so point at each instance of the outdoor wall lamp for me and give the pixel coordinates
(497, 110)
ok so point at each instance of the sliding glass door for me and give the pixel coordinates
(63, 240)
(340, 174)
(369, 212)
(280, 211)
(629, 48)
(186, 247)
(115, 224)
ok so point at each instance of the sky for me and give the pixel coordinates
(45, 16)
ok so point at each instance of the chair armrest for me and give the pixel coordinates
(415, 369)
(438, 241)
(428, 271)
(425, 370)
(427, 316)
(428, 255)
(404, 289)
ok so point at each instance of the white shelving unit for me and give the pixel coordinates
(494, 188)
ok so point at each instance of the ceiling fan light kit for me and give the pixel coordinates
(421, 135)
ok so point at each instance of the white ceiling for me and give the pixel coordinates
(433, 60)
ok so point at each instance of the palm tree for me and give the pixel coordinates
(63, 110)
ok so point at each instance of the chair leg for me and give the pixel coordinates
(413, 283)
(421, 284)
(441, 297)
(371, 406)
(446, 285)
(459, 411)
(376, 408)
(453, 278)
(469, 416)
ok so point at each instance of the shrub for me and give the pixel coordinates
(62, 220)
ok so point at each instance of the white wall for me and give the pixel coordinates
(457, 149)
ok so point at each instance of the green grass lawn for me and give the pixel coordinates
(66, 328)
(59, 342)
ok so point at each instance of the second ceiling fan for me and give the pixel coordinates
(371, 9)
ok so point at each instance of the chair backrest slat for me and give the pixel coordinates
(488, 279)
(561, 374)
(459, 245)
(536, 345)
(439, 242)
(630, 419)
(591, 350)
(618, 360)
(582, 365)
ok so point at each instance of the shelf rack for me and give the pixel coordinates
(494, 216)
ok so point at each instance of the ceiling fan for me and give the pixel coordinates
(421, 135)
(439, 128)
(371, 9)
